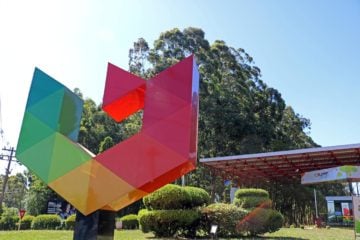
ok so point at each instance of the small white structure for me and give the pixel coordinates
(340, 210)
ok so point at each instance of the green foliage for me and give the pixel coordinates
(15, 190)
(46, 221)
(251, 192)
(165, 223)
(225, 216)
(175, 197)
(26, 222)
(199, 197)
(70, 222)
(98, 131)
(249, 198)
(9, 218)
(275, 221)
(130, 221)
(260, 221)
(143, 221)
(38, 196)
(168, 197)
(169, 210)
(260, 217)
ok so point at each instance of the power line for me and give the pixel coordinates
(9, 156)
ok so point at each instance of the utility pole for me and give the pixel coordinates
(9, 157)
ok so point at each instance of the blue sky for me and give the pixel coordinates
(308, 50)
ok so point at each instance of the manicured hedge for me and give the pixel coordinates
(176, 197)
(165, 223)
(249, 198)
(260, 221)
(9, 218)
(26, 222)
(70, 222)
(8, 222)
(46, 221)
(198, 196)
(130, 221)
(251, 192)
(225, 216)
(168, 197)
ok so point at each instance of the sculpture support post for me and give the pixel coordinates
(98, 225)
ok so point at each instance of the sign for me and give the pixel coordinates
(343, 173)
(22, 213)
(356, 210)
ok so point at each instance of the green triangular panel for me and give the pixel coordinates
(66, 157)
(48, 110)
(70, 115)
(38, 157)
(42, 85)
(32, 132)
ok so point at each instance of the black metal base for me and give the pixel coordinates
(99, 225)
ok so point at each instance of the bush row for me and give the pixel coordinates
(169, 212)
(45, 221)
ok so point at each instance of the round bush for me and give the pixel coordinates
(70, 222)
(168, 197)
(165, 223)
(46, 221)
(260, 221)
(275, 221)
(26, 222)
(130, 221)
(198, 196)
(225, 216)
(249, 198)
(252, 202)
(251, 192)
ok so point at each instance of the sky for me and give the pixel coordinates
(308, 50)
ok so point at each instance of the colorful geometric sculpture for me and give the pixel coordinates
(164, 149)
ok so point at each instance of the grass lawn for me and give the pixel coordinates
(284, 233)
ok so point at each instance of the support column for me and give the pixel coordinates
(99, 225)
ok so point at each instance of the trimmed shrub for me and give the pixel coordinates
(130, 221)
(275, 221)
(198, 196)
(26, 222)
(168, 197)
(260, 221)
(166, 223)
(9, 219)
(46, 221)
(251, 192)
(143, 221)
(260, 218)
(249, 198)
(225, 216)
(8, 222)
(70, 222)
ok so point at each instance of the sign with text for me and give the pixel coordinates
(343, 173)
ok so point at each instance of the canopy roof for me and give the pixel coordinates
(283, 165)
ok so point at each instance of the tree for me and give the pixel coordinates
(15, 191)
(38, 196)
(239, 112)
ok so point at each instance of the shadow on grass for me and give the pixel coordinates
(243, 238)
